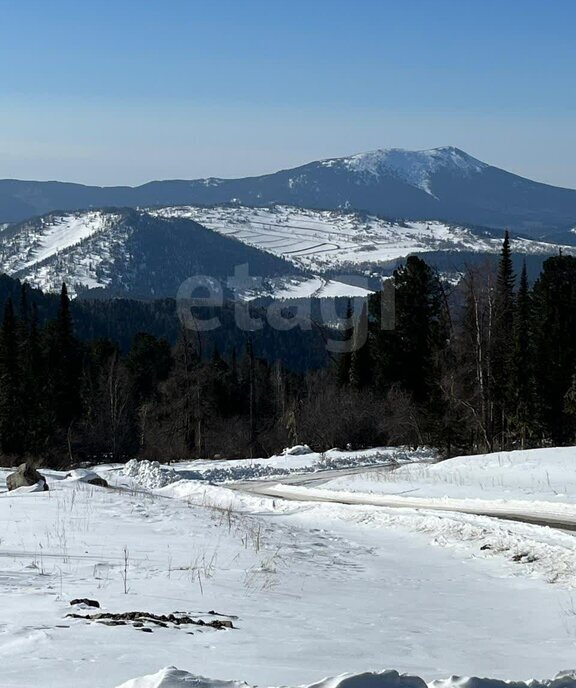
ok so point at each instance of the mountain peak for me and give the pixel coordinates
(414, 167)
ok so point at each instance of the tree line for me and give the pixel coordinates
(484, 365)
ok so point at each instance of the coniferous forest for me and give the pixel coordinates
(483, 365)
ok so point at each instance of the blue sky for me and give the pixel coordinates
(124, 91)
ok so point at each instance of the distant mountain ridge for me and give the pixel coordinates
(443, 183)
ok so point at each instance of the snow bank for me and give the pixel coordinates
(297, 450)
(150, 474)
(170, 677)
(174, 678)
(299, 459)
(543, 474)
(549, 471)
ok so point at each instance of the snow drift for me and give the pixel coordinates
(171, 677)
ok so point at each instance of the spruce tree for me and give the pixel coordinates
(11, 407)
(34, 387)
(421, 329)
(554, 325)
(251, 396)
(522, 377)
(344, 361)
(361, 368)
(502, 345)
(64, 361)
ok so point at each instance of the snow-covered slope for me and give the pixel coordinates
(78, 248)
(323, 240)
(413, 167)
(130, 252)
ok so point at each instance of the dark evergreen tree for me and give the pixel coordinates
(502, 346)
(11, 406)
(361, 365)
(149, 361)
(421, 328)
(522, 411)
(344, 361)
(34, 379)
(64, 365)
(554, 323)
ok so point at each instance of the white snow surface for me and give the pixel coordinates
(293, 460)
(170, 677)
(55, 234)
(79, 248)
(414, 167)
(545, 475)
(320, 240)
(297, 450)
(313, 589)
(313, 287)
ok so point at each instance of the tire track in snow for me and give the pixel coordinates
(540, 516)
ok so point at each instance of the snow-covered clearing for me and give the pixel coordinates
(312, 589)
(325, 239)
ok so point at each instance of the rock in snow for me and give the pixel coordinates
(84, 602)
(26, 476)
(171, 677)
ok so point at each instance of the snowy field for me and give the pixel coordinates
(320, 240)
(299, 590)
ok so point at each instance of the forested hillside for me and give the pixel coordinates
(488, 364)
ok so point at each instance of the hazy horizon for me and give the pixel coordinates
(270, 171)
(185, 90)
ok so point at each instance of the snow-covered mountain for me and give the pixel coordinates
(298, 252)
(442, 183)
(128, 252)
(416, 168)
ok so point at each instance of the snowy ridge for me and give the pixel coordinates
(321, 240)
(131, 251)
(81, 249)
(170, 677)
(414, 167)
(39, 240)
(91, 249)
